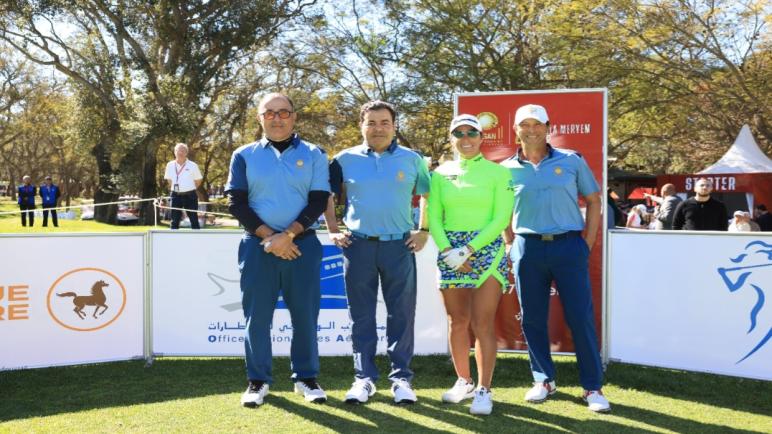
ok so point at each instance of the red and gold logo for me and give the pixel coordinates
(86, 299)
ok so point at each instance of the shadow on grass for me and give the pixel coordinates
(52, 391)
(721, 391)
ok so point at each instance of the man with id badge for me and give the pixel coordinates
(184, 178)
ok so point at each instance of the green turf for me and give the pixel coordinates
(202, 395)
(12, 224)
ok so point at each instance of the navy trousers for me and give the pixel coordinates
(189, 201)
(365, 263)
(27, 211)
(262, 276)
(536, 264)
(54, 217)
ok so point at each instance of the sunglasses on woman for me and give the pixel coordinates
(469, 133)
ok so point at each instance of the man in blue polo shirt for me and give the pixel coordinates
(277, 188)
(377, 180)
(549, 245)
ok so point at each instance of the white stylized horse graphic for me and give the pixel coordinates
(758, 254)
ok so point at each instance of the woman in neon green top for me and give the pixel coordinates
(470, 204)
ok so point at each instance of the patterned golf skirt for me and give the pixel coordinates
(491, 260)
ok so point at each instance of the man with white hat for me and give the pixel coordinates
(551, 241)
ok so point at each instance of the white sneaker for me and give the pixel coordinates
(361, 390)
(460, 391)
(254, 394)
(540, 392)
(403, 393)
(483, 402)
(596, 401)
(310, 390)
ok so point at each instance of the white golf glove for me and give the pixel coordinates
(455, 258)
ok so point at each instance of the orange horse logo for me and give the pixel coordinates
(108, 296)
(97, 298)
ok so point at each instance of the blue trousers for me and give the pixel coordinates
(262, 276)
(536, 264)
(365, 262)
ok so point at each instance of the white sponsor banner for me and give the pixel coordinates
(71, 299)
(197, 300)
(693, 301)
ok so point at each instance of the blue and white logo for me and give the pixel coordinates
(752, 268)
(332, 284)
(331, 276)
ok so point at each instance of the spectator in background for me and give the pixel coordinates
(184, 178)
(637, 217)
(701, 212)
(26, 195)
(742, 223)
(50, 194)
(763, 217)
(667, 206)
(614, 215)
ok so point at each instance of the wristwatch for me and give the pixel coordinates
(290, 234)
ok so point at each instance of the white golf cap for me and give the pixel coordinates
(465, 119)
(531, 111)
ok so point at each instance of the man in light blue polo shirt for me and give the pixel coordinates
(377, 180)
(549, 245)
(277, 188)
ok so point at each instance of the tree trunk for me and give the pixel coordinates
(106, 190)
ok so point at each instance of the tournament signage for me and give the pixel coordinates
(578, 122)
(197, 309)
(708, 310)
(68, 309)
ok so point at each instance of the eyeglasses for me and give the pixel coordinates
(469, 133)
(270, 114)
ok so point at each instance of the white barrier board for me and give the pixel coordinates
(71, 299)
(197, 300)
(699, 302)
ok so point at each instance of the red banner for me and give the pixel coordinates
(578, 122)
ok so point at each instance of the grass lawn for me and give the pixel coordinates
(202, 395)
(12, 223)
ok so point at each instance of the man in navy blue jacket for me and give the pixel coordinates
(27, 201)
(50, 194)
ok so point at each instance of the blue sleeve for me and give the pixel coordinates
(336, 177)
(585, 179)
(423, 181)
(237, 175)
(320, 180)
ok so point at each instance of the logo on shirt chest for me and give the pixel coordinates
(299, 163)
(400, 176)
(558, 171)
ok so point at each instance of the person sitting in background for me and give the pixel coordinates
(635, 219)
(742, 223)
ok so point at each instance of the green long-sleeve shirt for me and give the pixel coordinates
(470, 195)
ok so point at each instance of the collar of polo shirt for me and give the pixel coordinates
(550, 151)
(265, 141)
(391, 148)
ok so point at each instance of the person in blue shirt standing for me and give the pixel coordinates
(548, 245)
(50, 194)
(26, 195)
(277, 188)
(377, 180)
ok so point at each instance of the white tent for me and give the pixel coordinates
(743, 157)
